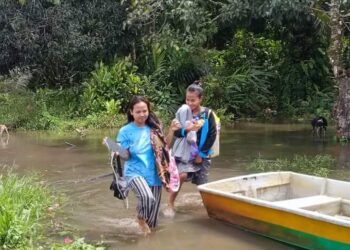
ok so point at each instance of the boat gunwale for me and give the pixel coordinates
(271, 205)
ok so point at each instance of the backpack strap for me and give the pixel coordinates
(205, 112)
(204, 132)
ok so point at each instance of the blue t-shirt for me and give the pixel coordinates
(141, 161)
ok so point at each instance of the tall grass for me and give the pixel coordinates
(25, 206)
(319, 165)
(23, 203)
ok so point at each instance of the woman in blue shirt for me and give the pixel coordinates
(139, 167)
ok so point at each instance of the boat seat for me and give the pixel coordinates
(309, 201)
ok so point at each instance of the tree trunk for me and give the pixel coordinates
(342, 110)
(342, 81)
(335, 47)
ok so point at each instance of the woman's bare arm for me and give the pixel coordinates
(174, 126)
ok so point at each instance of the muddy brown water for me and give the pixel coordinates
(70, 164)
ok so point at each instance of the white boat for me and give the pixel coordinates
(307, 211)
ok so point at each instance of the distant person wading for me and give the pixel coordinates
(319, 126)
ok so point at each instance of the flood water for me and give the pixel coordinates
(70, 164)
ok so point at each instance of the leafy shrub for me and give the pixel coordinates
(163, 98)
(118, 82)
(104, 120)
(244, 92)
(59, 102)
(306, 81)
(249, 49)
(241, 75)
(17, 110)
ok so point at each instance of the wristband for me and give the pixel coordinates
(182, 132)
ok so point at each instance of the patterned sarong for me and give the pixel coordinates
(166, 167)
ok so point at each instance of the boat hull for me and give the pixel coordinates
(295, 229)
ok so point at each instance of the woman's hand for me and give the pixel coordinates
(189, 127)
(175, 125)
(196, 127)
(124, 154)
(198, 159)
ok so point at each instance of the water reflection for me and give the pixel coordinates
(71, 164)
(4, 141)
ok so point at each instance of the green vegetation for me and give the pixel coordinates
(319, 165)
(78, 244)
(23, 204)
(67, 64)
(25, 207)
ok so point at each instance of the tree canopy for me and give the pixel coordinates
(251, 54)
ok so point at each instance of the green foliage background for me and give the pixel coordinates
(67, 64)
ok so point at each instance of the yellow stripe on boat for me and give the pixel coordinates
(303, 210)
(278, 217)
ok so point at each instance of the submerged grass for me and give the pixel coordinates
(319, 165)
(78, 244)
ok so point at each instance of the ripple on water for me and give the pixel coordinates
(125, 227)
(190, 201)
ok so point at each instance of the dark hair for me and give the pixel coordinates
(196, 86)
(152, 120)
